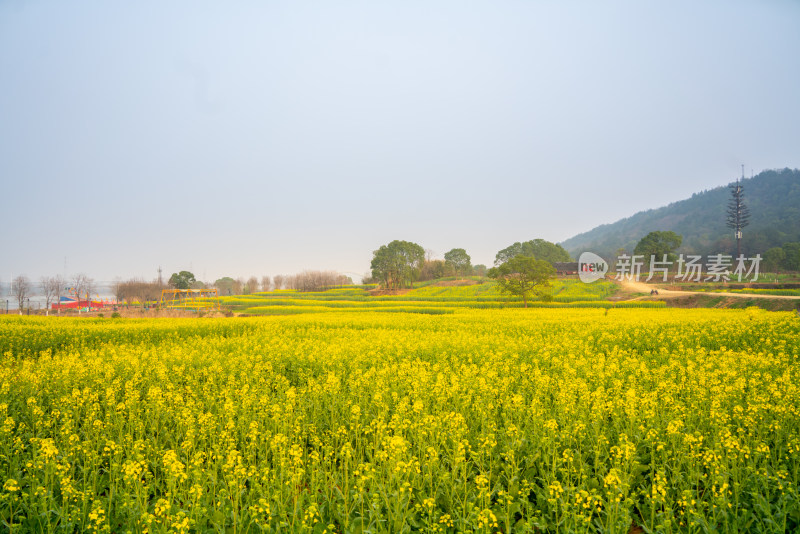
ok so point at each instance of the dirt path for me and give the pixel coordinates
(642, 287)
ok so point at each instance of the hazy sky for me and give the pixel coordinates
(252, 138)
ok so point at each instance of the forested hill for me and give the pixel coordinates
(773, 198)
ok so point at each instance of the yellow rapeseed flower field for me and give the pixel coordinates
(507, 420)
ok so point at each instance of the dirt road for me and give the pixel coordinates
(642, 287)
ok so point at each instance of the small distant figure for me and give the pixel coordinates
(656, 290)
(652, 292)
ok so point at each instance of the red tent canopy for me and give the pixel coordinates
(75, 304)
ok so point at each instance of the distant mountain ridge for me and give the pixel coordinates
(773, 197)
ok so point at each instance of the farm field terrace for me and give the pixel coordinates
(507, 420)
(433, 298)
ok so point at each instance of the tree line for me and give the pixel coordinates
(143, 291)
(52, 288)
(399, 264)
(138, 290)
(666, 243)
(306, 281)
(784, 258)
(524, 269)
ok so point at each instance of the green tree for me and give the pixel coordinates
(460, 260)
(524, 276)
(397, 264)
(181, 280)
(791, 261)
(657, 244)
(225, 285)
(479, 270)
(773, 259)
(433, 269)
(538, 248)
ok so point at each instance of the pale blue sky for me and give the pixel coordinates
(251, 138)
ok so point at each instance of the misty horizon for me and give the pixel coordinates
(263, 139)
